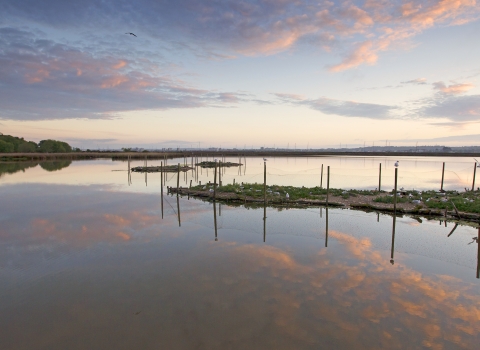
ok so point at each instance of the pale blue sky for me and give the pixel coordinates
(234, 73)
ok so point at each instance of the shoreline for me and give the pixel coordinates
(123, 156)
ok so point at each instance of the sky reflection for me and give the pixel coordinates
(91, 266)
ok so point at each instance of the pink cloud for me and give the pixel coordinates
(363, 54)
(454, 89)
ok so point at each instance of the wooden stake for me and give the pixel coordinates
(265, 182)
(161, 185)
(321, 177)
(380, 178)
(443, 174)
(395, 194)
(328, 182)
(473, 183)
(215, 183)
(178, 178)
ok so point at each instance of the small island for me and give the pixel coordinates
(449, 204)
(218, 164)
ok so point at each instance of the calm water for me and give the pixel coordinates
(88, 262)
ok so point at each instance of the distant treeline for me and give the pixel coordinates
(12, 144)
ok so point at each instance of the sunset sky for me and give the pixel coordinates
(224, 73)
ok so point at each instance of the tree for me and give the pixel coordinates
(6, 147)
(53, 146)
(27, 147)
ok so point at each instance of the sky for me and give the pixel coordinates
(256, 73)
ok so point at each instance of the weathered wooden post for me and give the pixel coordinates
(161, 185)
(190, 184)
(328, 182)
(321, 178)
(474, 171)
(215, 184)
(395, 193)
(443, 174)
(380, 178)
(219, 173)
(265, 182)
(178, 177)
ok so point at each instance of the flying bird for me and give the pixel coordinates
(131, 34)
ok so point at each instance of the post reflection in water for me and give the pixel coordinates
(215, 219)
(392, 261)
(326, 227)
(178, 211)
(453, 229)
(264, 221)
(478, 253)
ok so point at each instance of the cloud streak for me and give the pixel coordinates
(340, 107)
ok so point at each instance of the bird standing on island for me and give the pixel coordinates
(131, 34)
(396, 164)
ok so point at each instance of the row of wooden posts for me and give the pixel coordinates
(321, 179)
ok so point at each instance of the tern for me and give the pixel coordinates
(478, 163)
(131, 34)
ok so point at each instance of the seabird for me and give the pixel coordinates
(131, 34)
(265, 159)
(478, 163)
(396, 164)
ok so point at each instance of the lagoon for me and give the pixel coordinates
(92, 261)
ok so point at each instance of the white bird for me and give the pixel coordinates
(396, 164)
(478, 163)
(287, 196)
(265, 159)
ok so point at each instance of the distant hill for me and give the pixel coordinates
(13, 144)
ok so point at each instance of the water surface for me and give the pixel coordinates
(90, 262)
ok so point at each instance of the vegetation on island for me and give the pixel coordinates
(209, 164)
(468, 201)
(13, 144)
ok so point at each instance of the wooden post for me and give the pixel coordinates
(443, 174)
(380, 178)
(215, 184)
(265, 182)
(161, 185)
(395, 193)
(219, 174)
(321, 177)
(190, 184)
(328, 182)
(474, 172)
(178, 177)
